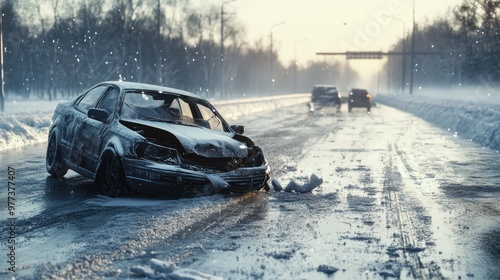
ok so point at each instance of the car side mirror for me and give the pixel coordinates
(239, 129)
(98, 114)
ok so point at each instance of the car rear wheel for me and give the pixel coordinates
(53, 159)
(112, 179)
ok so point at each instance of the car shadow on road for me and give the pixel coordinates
(77, 187)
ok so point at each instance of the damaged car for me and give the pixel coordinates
(151, 139)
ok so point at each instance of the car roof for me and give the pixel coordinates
(358, 90)
(149, 87)
(325, 86)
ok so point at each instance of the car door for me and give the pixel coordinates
(76, 124)
(93, 132)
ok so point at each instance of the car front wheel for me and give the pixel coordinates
(53, 159)
(112, 179)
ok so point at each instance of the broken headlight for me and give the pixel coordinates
(156, 153)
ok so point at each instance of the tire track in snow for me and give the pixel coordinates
(399, 218)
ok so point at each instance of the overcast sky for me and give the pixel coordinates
(312, 26)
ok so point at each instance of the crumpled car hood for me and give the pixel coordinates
(199, 140)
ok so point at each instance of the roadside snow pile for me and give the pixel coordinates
(479, 122)
(25, 122)
(17, 130)
(165, 270)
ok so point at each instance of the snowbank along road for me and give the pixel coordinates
(400, 199)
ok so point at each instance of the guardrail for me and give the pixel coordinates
(232, 109)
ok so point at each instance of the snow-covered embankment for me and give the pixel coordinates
(25, 122)
(477, 121)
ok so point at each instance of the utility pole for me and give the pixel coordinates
(403, 67)
(2, 96)
(295, 65)
(158, 29)
(412, 59)
(389, 74)
(222, 80)
(271, 53)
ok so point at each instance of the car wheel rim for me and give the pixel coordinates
(111, 177)
(51, 154)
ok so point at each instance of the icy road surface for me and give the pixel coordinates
(400, 199)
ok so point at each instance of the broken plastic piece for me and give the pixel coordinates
(162, 266)
(166, 270)
(276, 185)
(293, 186)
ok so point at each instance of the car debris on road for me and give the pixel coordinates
(293, 186)
(159, 269)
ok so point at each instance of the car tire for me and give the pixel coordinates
(53, 159)
(112, 178)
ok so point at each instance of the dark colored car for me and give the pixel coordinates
(325, 95)
(151, 139)
(359, 98)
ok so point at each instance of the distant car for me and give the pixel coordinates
(151, 139)
(325, 95)
(359, 98)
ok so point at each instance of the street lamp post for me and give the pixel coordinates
(222, 84)
(295, 65)
(271, 53)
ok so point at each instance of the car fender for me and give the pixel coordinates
(53, 129)
(112, 147)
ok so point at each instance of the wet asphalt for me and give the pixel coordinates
(400, 199)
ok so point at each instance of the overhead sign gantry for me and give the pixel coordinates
(379, 55)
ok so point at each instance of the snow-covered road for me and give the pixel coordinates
(400, 198)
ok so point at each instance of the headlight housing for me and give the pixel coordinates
(156, 153)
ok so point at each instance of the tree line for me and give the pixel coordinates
(467, 41)
(55, 48)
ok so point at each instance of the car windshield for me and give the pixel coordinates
(171, 108)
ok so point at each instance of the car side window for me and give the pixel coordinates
(185, 110)
(89, 99)
(108, 102)
(210, 118)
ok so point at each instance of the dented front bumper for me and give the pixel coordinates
(170, 180)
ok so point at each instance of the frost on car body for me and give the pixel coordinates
(154, 140)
